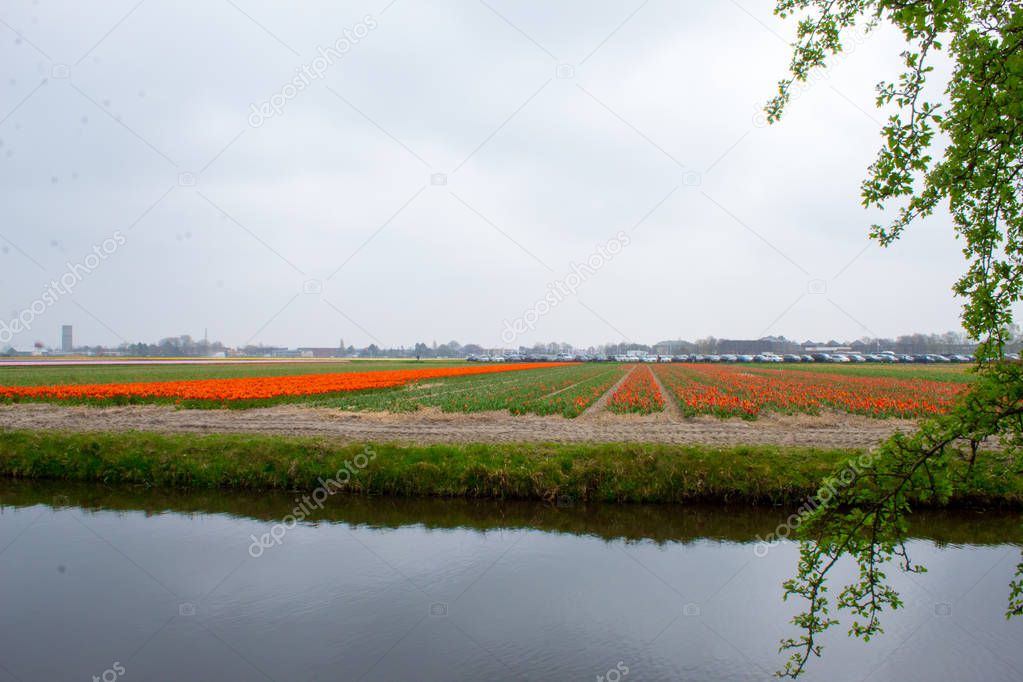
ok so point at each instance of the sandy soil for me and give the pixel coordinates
(434, 426)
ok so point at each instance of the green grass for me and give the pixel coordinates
(582, 472)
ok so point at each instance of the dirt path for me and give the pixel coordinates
(433, 426)
(599, 405)
(671, 409)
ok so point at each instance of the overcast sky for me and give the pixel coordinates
(439, 175)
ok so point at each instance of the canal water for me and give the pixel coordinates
(120, 583)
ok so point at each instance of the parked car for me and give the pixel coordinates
(821, 357)
(729, 358)
(745, 358)
(792, 358)
(807, 358)
(840, 358)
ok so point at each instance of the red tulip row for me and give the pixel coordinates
(738, 391)
(638, 393)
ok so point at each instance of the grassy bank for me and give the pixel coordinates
(576, 472)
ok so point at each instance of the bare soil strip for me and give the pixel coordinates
(599, 405)
(671, 409)
(430, 425)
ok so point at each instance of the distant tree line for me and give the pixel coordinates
(170, 347)
(913, 344)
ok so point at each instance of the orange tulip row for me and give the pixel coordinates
(254, 388)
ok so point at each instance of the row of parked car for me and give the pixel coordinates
(890, 358)
(886, 357)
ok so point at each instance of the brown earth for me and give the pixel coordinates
(433, 426)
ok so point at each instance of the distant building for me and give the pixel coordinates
(67, 344)
(836, 348)
(320, 352)
(768, 344)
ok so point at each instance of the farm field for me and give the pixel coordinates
(638, 394)
(665, 391)
(438, 403)
(53, 373)
(740, 391)
(566, 389)
(255, 390)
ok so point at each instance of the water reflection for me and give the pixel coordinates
(162, 584)
(656, 523)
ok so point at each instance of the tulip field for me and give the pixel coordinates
(256, 388)
(566, 389)
(729, 391)
(638, 394)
